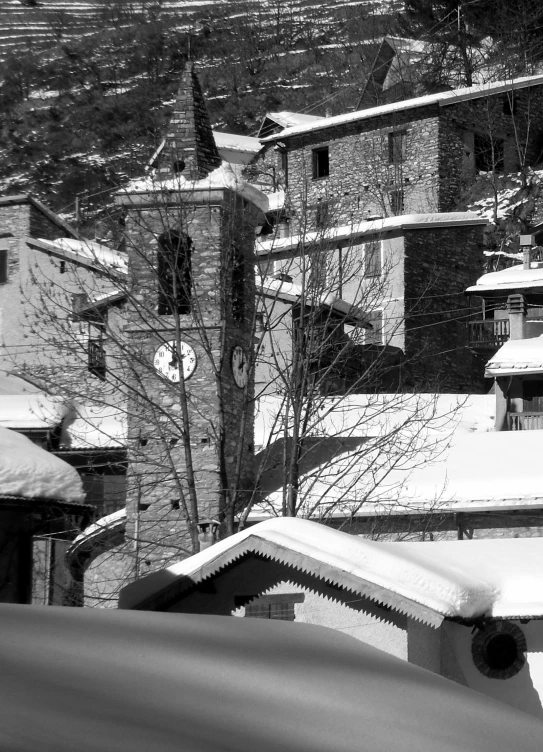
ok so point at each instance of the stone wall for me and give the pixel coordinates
(439, 264)
(220, 412)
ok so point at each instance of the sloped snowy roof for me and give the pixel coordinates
(92, 533)
(92, 679)
(286, 119)
(517, 357)
(30, 472)
(225, 176)
(427, 581)
(356, 232)
(88, 252)
(442, 99)
(93, 427)
(513, 278)
(233, 142)
(290, 292)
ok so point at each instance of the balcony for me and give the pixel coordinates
(490, 333)
(525, 421)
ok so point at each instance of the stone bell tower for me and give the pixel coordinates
(189, 328)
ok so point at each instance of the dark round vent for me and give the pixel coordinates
(178, 166)
(499, 649)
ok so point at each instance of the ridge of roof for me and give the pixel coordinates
(442, 99)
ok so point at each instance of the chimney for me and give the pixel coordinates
(516, 305)
(527, 242)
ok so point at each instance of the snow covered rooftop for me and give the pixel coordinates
(233, 142)
(225, 176)
(517, 357)
(87, 252)
(91, 679)
(513, 278)
(427, 581)
(286, 119)
(30, 472)
(92, 427)
(290, 292)
(356, 232)
(442, 99)
(30, 411)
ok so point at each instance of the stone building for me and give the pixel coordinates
(414, 156)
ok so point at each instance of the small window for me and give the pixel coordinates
(396, 198)
(372, 259)
(174, 273)
(489, 153)
(238, 283)
(509, 103)
(396, 147)
(321, 163)
(323, 214)
(97, 358)
(280, 607)
(3, 266)
(374, 336)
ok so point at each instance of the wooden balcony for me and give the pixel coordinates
(490, 333)
(525, 421)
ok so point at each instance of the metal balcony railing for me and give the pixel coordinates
(525, 421)
(488, 333)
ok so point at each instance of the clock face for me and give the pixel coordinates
(240, 366)
(166, 361)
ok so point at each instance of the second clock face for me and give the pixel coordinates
(169, 363)
(240, 366)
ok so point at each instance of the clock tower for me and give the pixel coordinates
(188, 365)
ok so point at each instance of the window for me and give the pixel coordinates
(372, 259)
(374, 336)
(396, 147)
(174, 273)
(280, 606)
(238, 283)
(97, 358)
(396, 198)
(321, 163)
(3, 266)
(322, 216)
(489, 153)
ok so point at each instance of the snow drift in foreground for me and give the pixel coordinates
(105, 681)
(29, 471)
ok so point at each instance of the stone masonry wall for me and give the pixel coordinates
(439, 264)
(520, 129)
(220, 413)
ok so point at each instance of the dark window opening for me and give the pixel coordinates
(62, 267)
(396, 147)
(396, 201)
(178, 166)
(284, 167)
(373, 259)
(532, 395)
(174, 273)
(97, 358)
(3, 266)
(374, 336)
(238, 283)
(323, 214)
(509, 104)
(321, 163)
(488, 153)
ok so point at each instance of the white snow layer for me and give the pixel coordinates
(102, 679)
(511, 278)
(27, 470)
(442, 98)
(464, 579)
(234, 142)
(90, 250)
(225, 176)
(517, 356)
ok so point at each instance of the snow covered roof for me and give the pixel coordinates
(286, 119)
(233, 142)
(427, 581)
(93, 533)
(225, 176)
(30, 472)
(11, 383)
(86, 252)
(356, 232)
(517, 357)
(442, 99)
(290, 292)
(91, 679)
(31, 411)
(513, 278)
